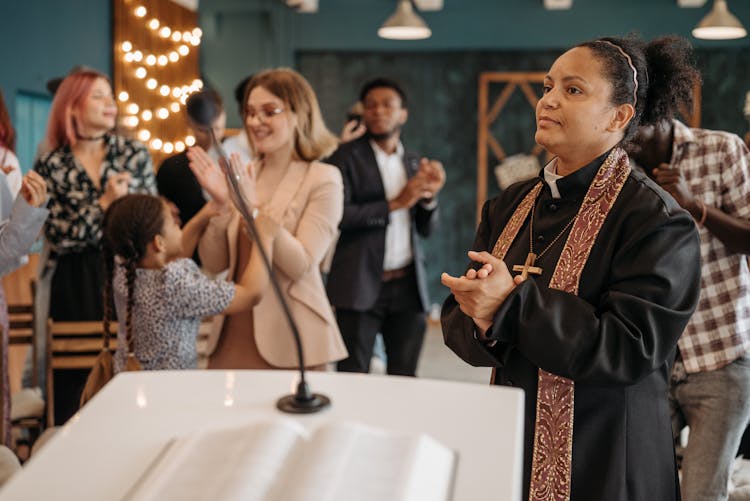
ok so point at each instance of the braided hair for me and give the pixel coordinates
(663, 69)
(129, 224)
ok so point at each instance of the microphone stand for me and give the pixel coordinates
(304, 401)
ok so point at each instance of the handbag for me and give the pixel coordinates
(103, 369)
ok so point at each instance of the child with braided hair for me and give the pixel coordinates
(159, 293)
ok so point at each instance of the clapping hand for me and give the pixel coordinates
(434, 176)
(674, 182)
(208, 174)
(34, 189)
(117, 186)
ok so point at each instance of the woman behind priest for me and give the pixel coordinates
(88, 168)
(609, 276)
(306, 197)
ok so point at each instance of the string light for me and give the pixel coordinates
(170, 96)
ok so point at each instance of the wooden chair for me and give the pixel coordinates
(27, 406)
(72, 345)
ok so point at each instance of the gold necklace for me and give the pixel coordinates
(528, 267)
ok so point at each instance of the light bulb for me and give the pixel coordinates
(162, 113)
(156, 143)
(164, 90)
(175, 107)
(173, 56)
(140, 11)
(123, 96)
(137, 56)
(132, 108)
(153, 24)
(176, 36)
(176, 92)
(197, 33)
(189, 140)
(151, 83)
(168, 147)
(179, 146)
(183, 50)
(151, 60)
(147, 115)
(164, 32)
(128, 57)
(130, 121)
(126, 46)
(162, 60)
(140, 72)
(144, 135)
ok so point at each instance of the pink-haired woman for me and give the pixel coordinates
(88, 168)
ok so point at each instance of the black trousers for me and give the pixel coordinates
(398, 316)
(76, 294)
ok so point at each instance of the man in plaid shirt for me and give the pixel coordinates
(708, 173)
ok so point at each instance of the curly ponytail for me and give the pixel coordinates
(662, 68)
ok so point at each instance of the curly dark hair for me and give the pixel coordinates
(129, 224)
(665, 74)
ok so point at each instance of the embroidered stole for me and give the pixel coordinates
(553, 428)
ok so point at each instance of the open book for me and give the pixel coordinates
(281, 460)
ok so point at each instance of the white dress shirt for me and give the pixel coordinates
(398, 251)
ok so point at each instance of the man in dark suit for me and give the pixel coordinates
(376, 281)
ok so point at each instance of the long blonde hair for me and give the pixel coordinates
(312, 139)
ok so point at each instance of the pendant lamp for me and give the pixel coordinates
(719, 24)
(404, 24)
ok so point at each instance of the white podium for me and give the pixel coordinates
(103, 449)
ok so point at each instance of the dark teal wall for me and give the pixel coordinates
(243, 36)
(42, 39)
(443, 96)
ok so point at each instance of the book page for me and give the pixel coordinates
(227, 464)
(346, 461)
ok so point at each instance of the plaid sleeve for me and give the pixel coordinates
(735, 179)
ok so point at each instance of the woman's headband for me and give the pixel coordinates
(632, 67)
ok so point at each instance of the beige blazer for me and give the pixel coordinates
(308, 204)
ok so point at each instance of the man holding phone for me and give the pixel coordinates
(708, 174)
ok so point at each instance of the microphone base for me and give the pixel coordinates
(293, 405)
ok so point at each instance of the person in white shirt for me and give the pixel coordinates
(377, 277)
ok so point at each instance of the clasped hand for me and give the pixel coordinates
(479, 293)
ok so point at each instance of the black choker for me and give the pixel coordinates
(90, 138)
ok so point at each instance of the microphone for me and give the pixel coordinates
(303, 401)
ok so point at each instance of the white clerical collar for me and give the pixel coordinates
(551, 177)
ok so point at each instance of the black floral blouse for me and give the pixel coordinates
(74, 222)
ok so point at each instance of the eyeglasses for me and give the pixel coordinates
(265, 112)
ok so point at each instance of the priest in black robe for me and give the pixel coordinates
(614, 337)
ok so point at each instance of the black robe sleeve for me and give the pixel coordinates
(646, 269)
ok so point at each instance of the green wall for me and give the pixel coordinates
(443, 96)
